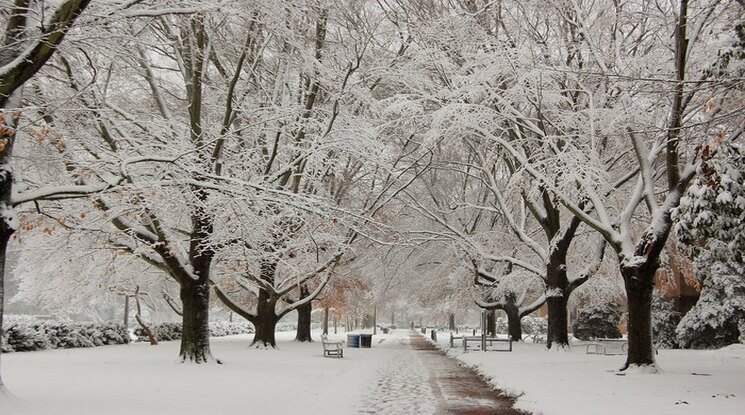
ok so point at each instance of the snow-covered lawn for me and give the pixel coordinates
(142, 379)
(572, 383)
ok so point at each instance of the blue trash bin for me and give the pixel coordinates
(353, 340)
(366, 340)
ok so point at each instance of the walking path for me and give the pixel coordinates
(419, 378)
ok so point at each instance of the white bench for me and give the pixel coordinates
(607, 346)
(489, 342)
(332, 347)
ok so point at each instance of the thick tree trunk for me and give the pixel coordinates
(326, 320)
(451, 322)
(639, 284)
(195, 340)
(265, 329)
(514, 328)
(557, 284)
(266, 321)
(304, 318)
(558, 335)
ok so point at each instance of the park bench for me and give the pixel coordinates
(332, 347)
(607, 346)
(490, 341)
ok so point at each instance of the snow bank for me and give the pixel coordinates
(573, 383)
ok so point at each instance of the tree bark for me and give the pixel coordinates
(558, 334)
(557, 283)
(326, 320)
(195, 344)
(451, 322)
(5, 234)
(149, 332)
(266, 321)
(8, 219)
(514, 328)
(42, 49)
(557, 293)
(491, 322)
(304, 317)
(639, 283)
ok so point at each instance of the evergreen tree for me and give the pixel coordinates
(664, 321)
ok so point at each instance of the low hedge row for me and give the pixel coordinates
(30, 336)
(172, 331)
(24, 337)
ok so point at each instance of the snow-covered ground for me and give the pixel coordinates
(143, 379)
(573, 382)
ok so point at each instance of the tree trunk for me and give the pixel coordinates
(557, 284)
(5, 233)
(639, 283)
(491, 322)
(266, 321)
(326, 321)
(558, 334)
(513, 322)
(8, 219)
(304, 318)
(451, 322)
(195, 340)
(265, 329)
(556, 299)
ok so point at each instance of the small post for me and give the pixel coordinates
(326, 320)
(126, 313)
(375, 318)
(483, 330)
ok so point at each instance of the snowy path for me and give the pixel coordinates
(418, 378)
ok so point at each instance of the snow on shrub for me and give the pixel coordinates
(711, 222)
(530, 325)
(598, 321)
(30, 336)
(664, 321)
(534, 325)
(172, 331)
(718, 318)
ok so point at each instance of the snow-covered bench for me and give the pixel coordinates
(489, 342)
(607, 346)
(332, 347)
